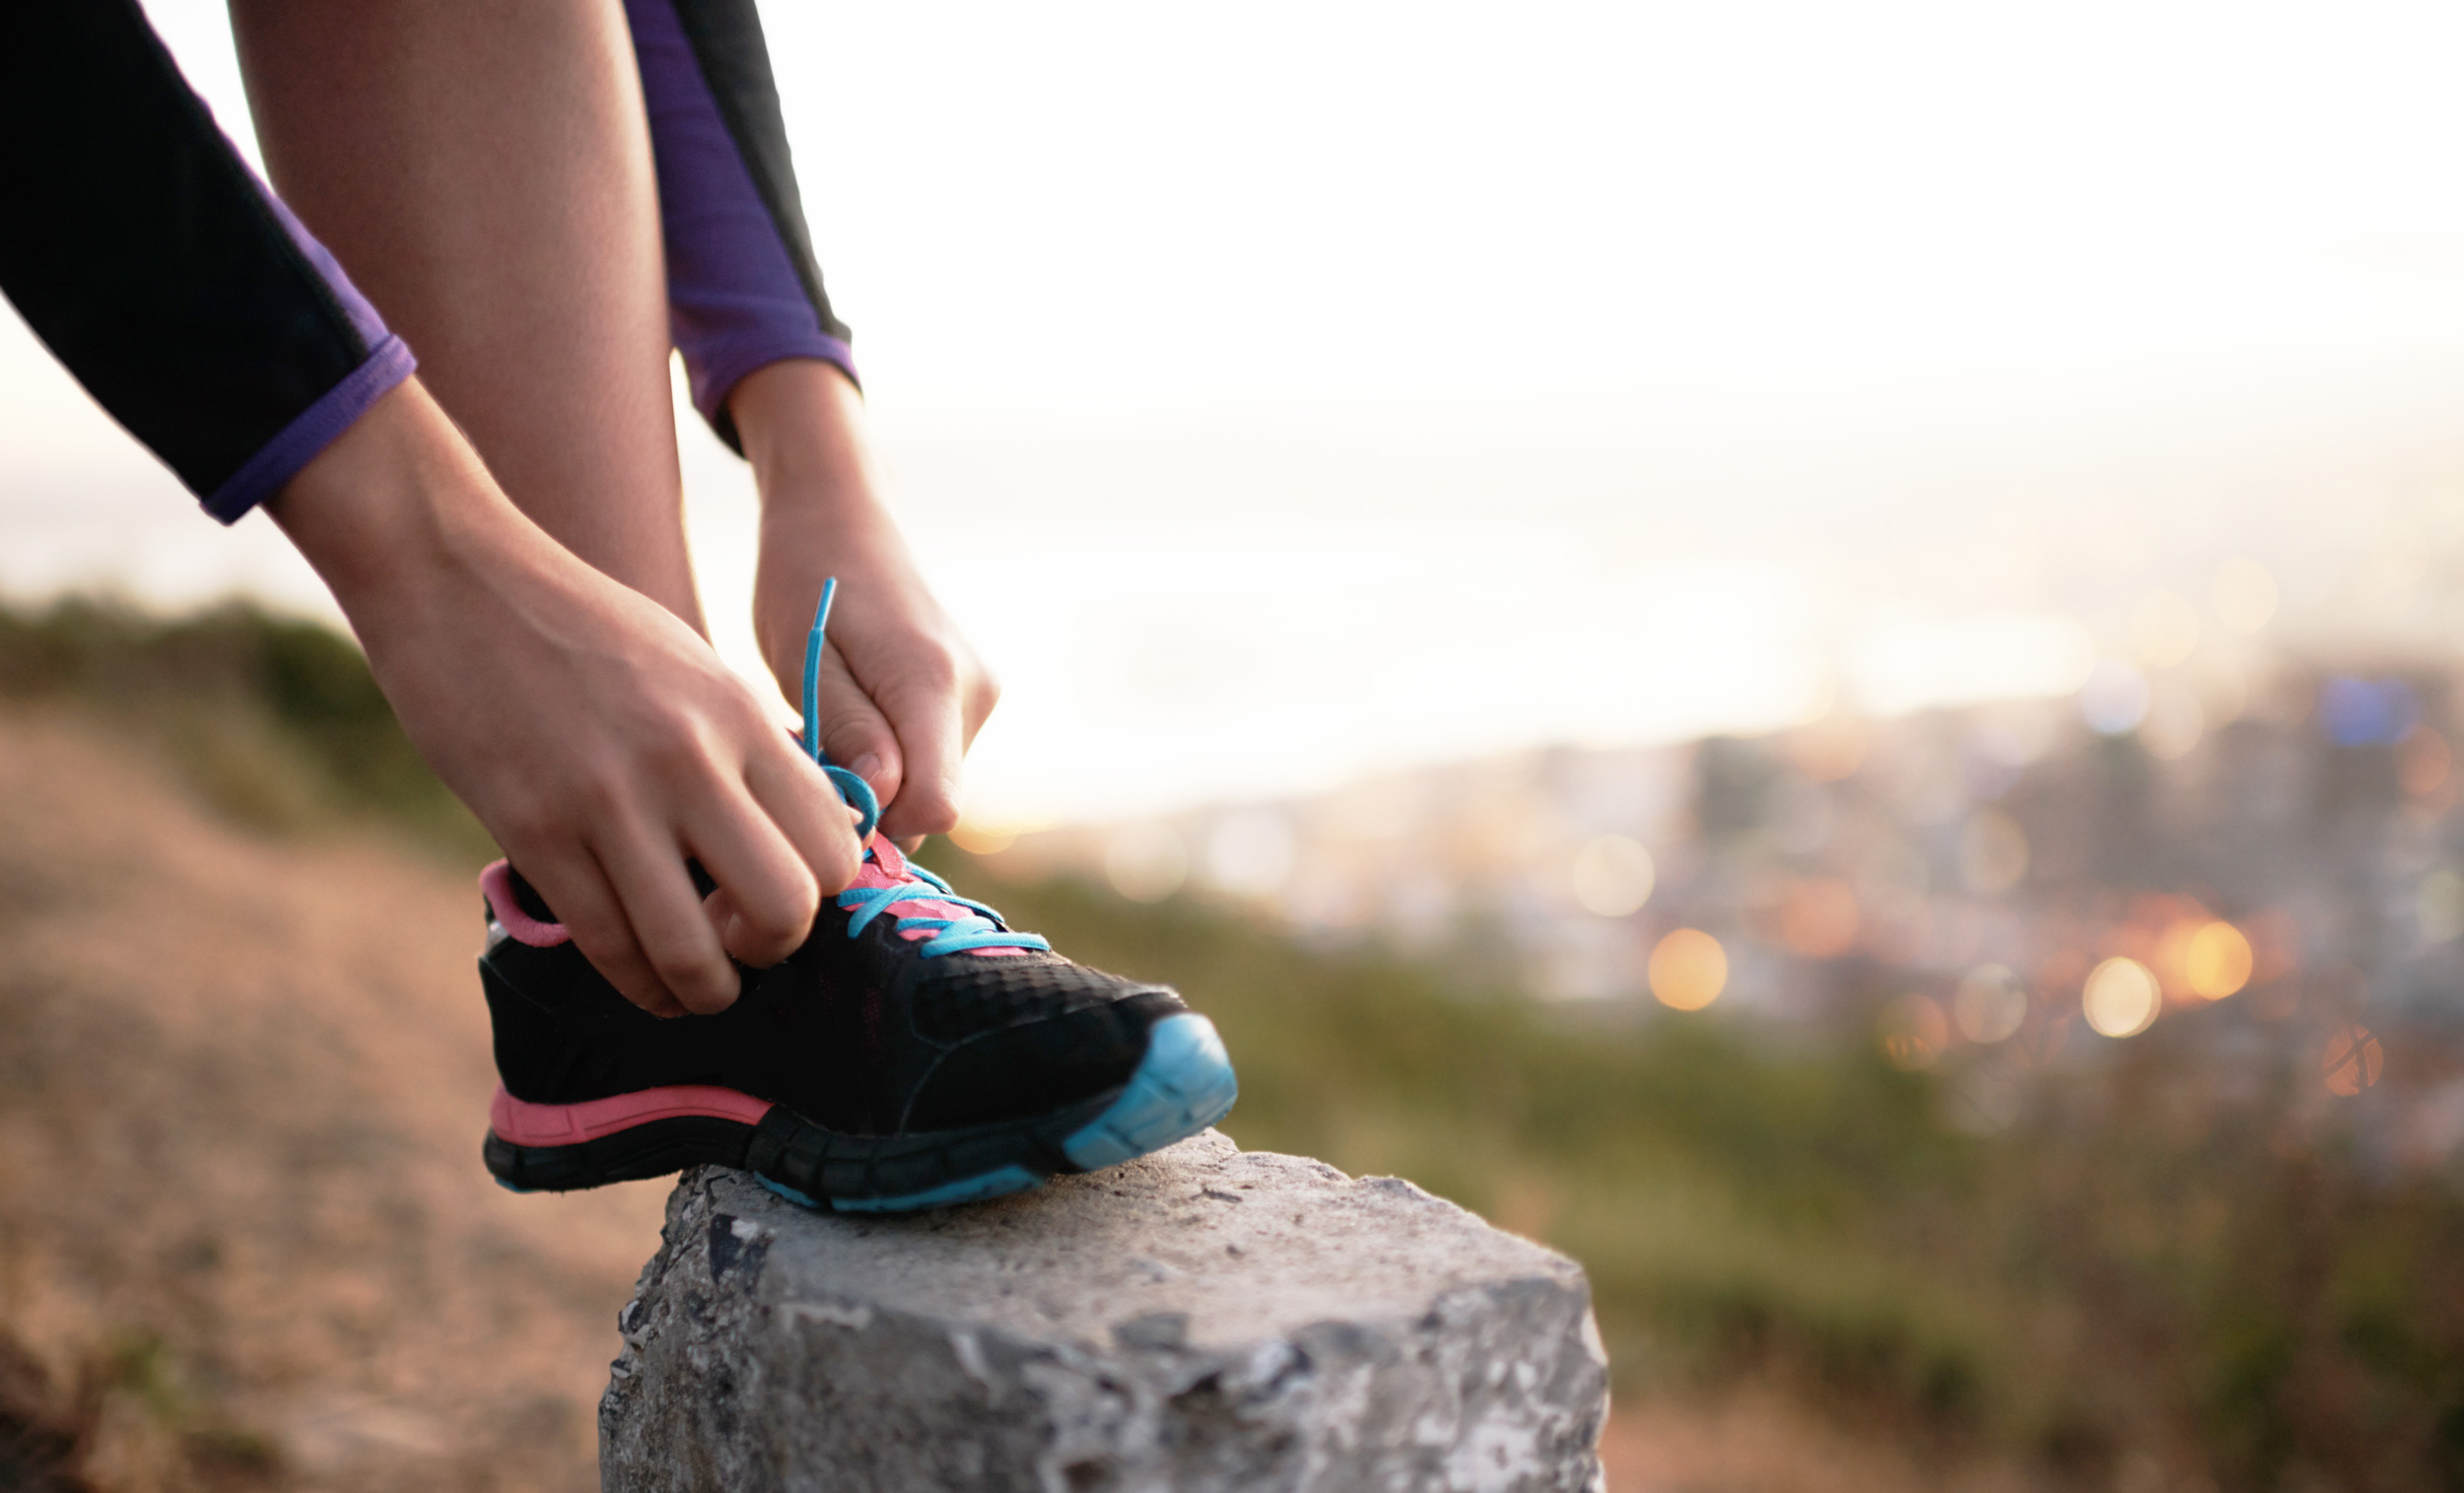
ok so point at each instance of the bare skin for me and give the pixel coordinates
(483, 173)
(902, 695)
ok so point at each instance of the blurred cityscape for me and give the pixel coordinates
(1991, 891)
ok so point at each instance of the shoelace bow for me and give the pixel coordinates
(901, 882)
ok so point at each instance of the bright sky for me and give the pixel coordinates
(1287, 391)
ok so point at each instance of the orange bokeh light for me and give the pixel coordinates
(1688, 969)
(2423, 761)
(2217, 961)
(1818, 918)
(2353, 1060)
(1914, 1033)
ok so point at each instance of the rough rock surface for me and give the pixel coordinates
(1203, 1318)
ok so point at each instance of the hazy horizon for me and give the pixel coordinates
(1341, 388)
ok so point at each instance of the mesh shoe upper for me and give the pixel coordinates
(861, 1030)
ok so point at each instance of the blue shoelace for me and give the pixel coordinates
(952, 934)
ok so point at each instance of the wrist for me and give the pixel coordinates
(394, 500)
(801, 422)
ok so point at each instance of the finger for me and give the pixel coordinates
(577, 891)
(855, 732)
(924, 715)
(664, 912)
(793, 796)
(767, 896)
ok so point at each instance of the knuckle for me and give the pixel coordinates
(929, 810)
(676, 752)
(597, 793)
(523, 827)
(702, 986)
(786, 916)
(933, 672)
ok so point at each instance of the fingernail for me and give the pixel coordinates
(867, 767)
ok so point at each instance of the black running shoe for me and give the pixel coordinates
(913, 1052)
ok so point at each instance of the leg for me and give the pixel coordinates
(483, 171)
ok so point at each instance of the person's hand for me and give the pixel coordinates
(901, 694)
(598, 737)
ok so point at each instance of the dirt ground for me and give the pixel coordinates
(245, 1240)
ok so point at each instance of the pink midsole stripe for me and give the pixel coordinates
(525, 1123)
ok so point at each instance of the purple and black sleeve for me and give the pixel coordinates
(742, 286)
(150, 259)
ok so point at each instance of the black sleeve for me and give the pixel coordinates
(147, 256)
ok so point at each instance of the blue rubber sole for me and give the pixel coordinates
(1184, 1084)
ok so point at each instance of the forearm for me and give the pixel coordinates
(396, 499)
(823, 489)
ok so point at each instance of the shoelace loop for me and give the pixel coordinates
(905, 881)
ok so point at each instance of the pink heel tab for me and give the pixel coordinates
(495, 883)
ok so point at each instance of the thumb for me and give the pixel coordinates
(855, 732)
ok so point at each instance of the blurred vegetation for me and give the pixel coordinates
(2174, 1271)
(273, 722)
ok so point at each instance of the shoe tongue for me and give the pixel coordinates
(883, 860)
(884, 866)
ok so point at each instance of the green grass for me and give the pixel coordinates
(274, 722)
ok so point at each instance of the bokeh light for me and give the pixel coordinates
(977, 839)
(1914, 1033)
(2176, 721)
(2438, 906)
(2121, 997)
(1993, 852)
(2244, 594)
(2366, 711)
(1831, 749)
(2164, 631)
(1688, 969)
(1146, 863)
(1990, 1004)
(1818, 918)
(2423, 761)
(2352, 1062)
(2217, 961)
(1612, 875)
(1251, 853)
(2116, 697)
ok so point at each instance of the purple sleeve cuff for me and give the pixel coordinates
(735, 300)
(718, 365)
(299, 443)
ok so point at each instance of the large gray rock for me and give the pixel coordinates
(1203, 1318)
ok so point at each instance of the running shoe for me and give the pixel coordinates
(917, 1051)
